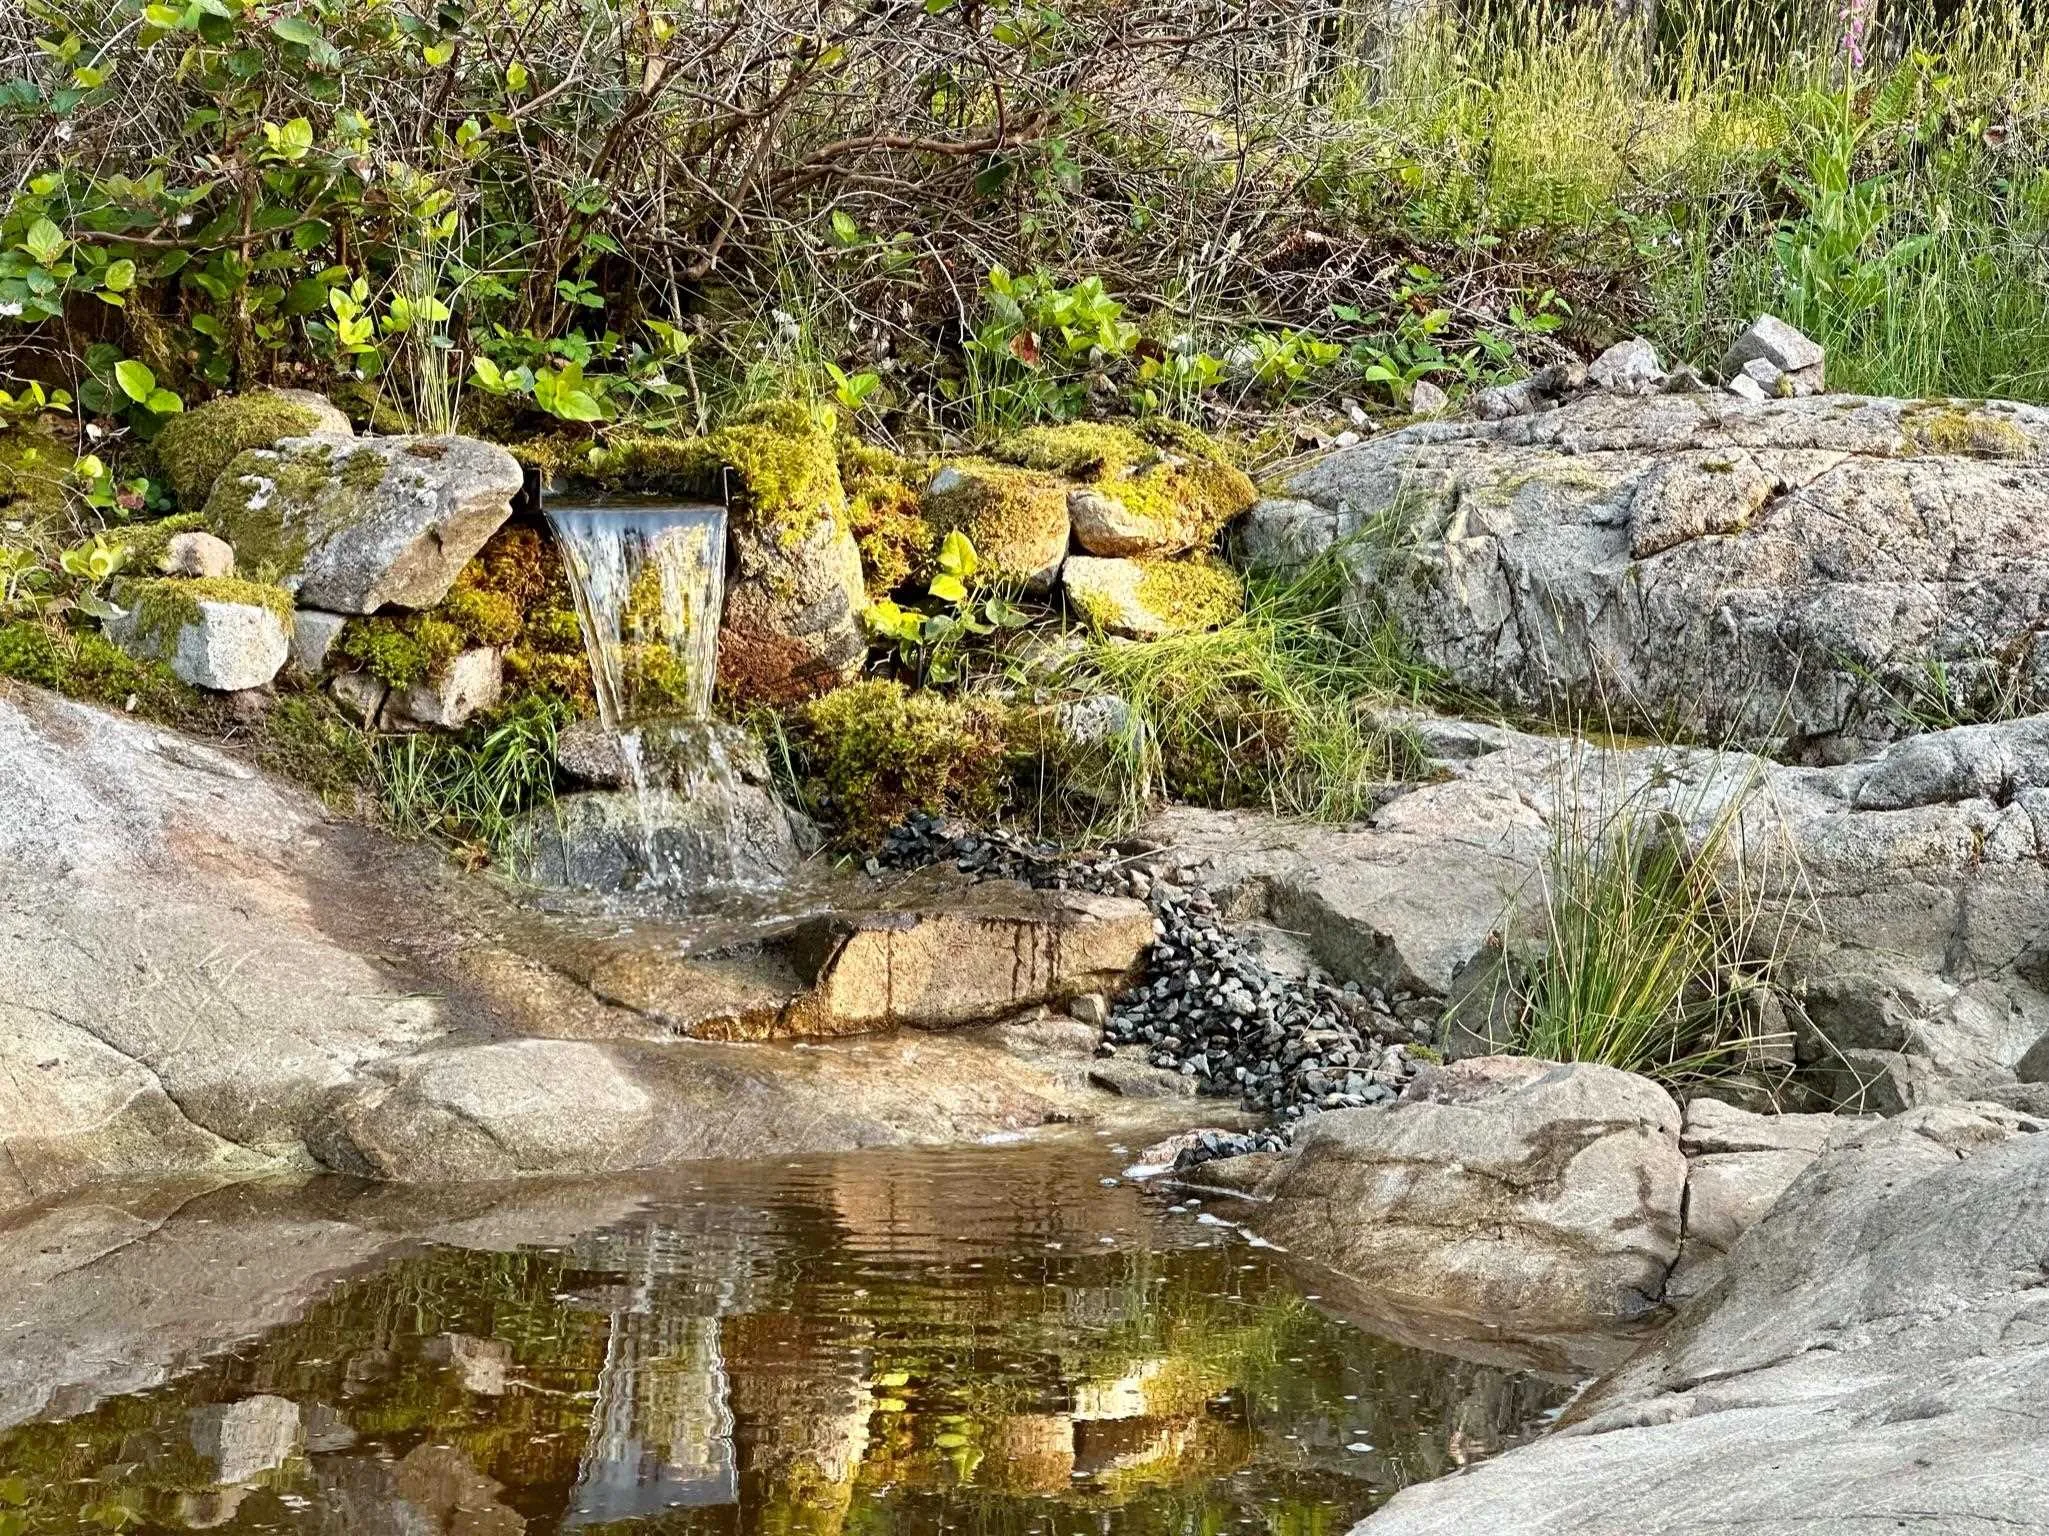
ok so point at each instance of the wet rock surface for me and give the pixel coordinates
(206, 975)
(1536, 1196)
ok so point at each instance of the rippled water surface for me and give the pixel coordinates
(993, 1341)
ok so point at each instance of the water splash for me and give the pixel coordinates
(649, 583)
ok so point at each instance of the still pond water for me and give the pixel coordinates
(997, 1341)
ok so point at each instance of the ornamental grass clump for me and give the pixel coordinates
(1658, 926)
(1275, 708)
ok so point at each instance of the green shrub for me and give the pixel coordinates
(873, 752)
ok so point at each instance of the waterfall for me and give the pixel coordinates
(649, 583)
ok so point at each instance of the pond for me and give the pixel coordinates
(1013, 1340)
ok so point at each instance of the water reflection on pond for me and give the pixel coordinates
(970, 1342)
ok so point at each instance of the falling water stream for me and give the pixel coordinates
(649, 583)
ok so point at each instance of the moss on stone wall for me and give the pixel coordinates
(1195, 593)
(327, 488)
(875, 751)
(149, 542)
(1170, 477)
(1017, 518)
(776, 463)
(164, 605)
(196, 445)
(886, 512)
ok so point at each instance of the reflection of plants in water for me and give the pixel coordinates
(887, 1391)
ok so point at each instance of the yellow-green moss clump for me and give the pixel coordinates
(33, 466)
(85, 664)
(513, 596)
(886, 512)
(196, 445)
(779, 463)
(1149, 599)
(1017, 518)
(875, 751)
(163, 605)
(1170, 487)
(1968, 430)
(1196, 593)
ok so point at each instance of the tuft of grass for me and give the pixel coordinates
(1276, 709)
(474, 787)
(1656, 934)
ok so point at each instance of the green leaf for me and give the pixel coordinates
(844, 229)
(164, 402)
(515, 77)
(44, 243)
(957, 555)
(438, 54)
(294, 30)
(119, 276)
(135, 379)
(948, 589)
(578, 405)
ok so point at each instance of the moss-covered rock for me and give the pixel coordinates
(1149, 598)
(216, 633)
(356, 526)
(1158, 492)
(875, 751)
(795, 590)
(196, 445)
(149, 543)
(1017, 519)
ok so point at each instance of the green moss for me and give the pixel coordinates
(1967, 430)
(325, 491)
(1016, 517)
(164, 605)
(886, 512)
(148, 542)
(1177, 483)
(33, 466)
(876, 751)
(512, 596)
(196, 445)
(1194, 593)
(87, 665)
(306, 737)
(400, 651)
(779, 463)
(487, 617)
